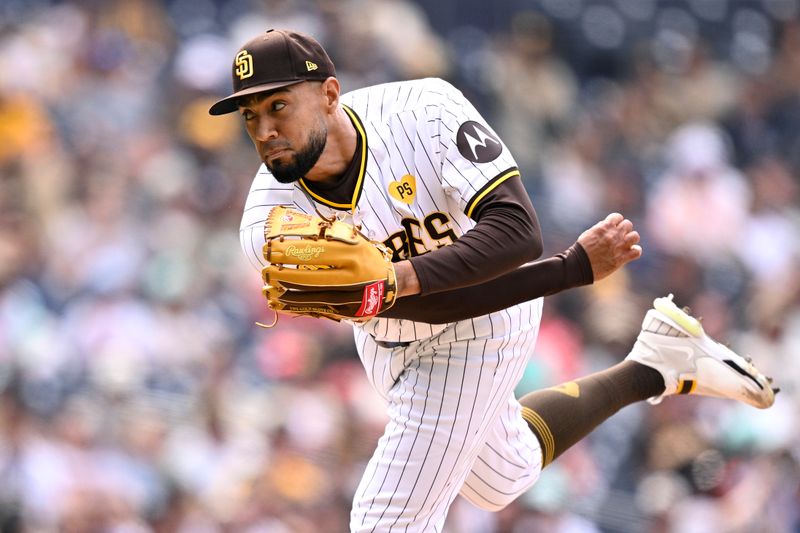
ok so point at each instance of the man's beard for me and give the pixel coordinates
(302, 161)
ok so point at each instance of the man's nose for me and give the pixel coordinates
(266, 130)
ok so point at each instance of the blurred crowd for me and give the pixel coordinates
(136, 393)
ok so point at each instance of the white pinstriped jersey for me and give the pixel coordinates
(427, 158)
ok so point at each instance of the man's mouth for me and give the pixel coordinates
(272, 154)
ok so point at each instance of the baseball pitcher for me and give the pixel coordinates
(399, 209)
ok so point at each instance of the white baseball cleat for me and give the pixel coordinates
(674, 343)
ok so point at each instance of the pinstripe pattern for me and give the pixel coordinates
(508, 464)
(454, 424)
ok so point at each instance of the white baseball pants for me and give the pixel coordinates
(455, 426)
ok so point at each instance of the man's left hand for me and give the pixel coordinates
(610, 244)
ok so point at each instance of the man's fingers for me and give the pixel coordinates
(625, 225)
(632, 238)
(635, 252)
(614, 218)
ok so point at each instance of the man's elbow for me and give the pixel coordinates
(535, 245)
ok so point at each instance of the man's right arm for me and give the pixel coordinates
(599, 251)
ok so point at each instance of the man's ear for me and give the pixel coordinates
(331, 90)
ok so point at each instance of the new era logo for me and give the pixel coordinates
(311, 66)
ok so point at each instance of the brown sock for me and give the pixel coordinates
(563, 415)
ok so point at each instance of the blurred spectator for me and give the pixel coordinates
(698, 181)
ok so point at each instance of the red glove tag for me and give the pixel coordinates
(372, 300)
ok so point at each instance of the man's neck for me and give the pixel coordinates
(339, 149)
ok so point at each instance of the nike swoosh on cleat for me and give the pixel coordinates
(742, 371)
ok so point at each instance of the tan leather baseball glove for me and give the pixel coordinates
(324, 268)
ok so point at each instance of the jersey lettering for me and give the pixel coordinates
(420, 238)
(436, 224)
(398, 244)
(413, 233)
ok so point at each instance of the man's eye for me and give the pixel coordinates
(277, 106)
(248, 115)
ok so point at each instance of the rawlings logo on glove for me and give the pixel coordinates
(324, 268)
(373, 297)
(304, 254)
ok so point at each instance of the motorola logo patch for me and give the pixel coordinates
(477, 143)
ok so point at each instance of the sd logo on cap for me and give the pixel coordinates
(275, 59)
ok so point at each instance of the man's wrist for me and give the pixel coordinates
(578, 259)
(407, 280)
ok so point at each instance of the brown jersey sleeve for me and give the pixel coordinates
(506, 235)
(566, 270)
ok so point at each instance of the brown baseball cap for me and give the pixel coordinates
(274, 59)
